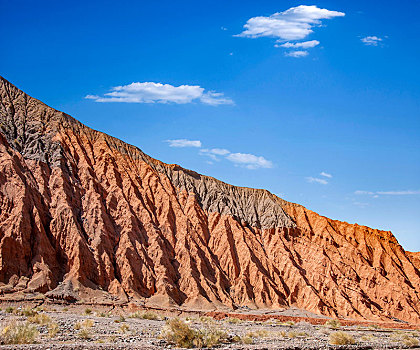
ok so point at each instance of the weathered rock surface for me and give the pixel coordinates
(80, 210)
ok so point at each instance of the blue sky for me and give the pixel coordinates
(318, 102)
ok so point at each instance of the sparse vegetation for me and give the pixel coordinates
(84, 334)
(19, 333)
(124, 328)
(10, 309)
(53, 329)
(261, 333)
(334, 324)
(148, 315)
(27, 312)
(88, 311)
(233, 320)
(410, 342)
(341, 338)
(246, 340)
(177, 332)
(41, 319)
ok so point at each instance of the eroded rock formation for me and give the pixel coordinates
(83, 213)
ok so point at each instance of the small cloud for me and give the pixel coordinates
(388, 193)
(150, 92)
(223, 28)
(214, 152)
(296, 54)
(302, 45)
(326, 175)
(311, 179)
(296, 23)
(246, 160)
(249, 161)
(184, 143)
(371, 40)
(230, 53)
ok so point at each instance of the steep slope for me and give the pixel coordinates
(83, 214)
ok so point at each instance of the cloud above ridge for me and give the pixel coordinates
(149, 92)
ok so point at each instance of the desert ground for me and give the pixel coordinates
(58, 326)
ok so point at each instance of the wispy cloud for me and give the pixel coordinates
(249, 161)
(245, 160)
(299, 45)
(311, 179)
(297, 54)
(388, 193)
(149, 92)
(183, 143)
(326, 175)
(371, 40)
(296, 23)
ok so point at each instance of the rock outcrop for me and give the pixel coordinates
(83, 213)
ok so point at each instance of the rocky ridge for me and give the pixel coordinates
(83, 214)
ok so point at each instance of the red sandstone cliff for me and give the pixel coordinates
(83, 214)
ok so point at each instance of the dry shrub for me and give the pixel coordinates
(341, 338)
(334, 324)
(19, 333)
(261, 333)
(10, 309)
(124, 328)
(150, 316)
(247, 340)
(179, 333)
(88, 311)
(53, 329)
(84, 334)
(84, 324)
(27, 312)
(41, 319)
(233, 320)
(410, 342)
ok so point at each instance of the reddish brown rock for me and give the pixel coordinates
(84, 215)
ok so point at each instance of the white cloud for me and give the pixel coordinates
(296, 54)
(150, 92)
(249, 161)
(316, 180)
(214, 152)
(388, 193)
(326, 175)
(371, 40)
(246, 160)
(295, 23)
(184, 143)
(303, 44)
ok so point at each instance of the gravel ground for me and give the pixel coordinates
(111, 328)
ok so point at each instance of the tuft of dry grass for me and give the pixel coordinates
(19, 333)
(41, 319)
(53, 329)
(261, 333)
(341, 338)
(233, 320)
(179, 333)
(84, 334)
(410, 342)
(124, 328)
(88, 311)
(334, 324)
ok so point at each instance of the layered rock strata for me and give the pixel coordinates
(83, 213)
